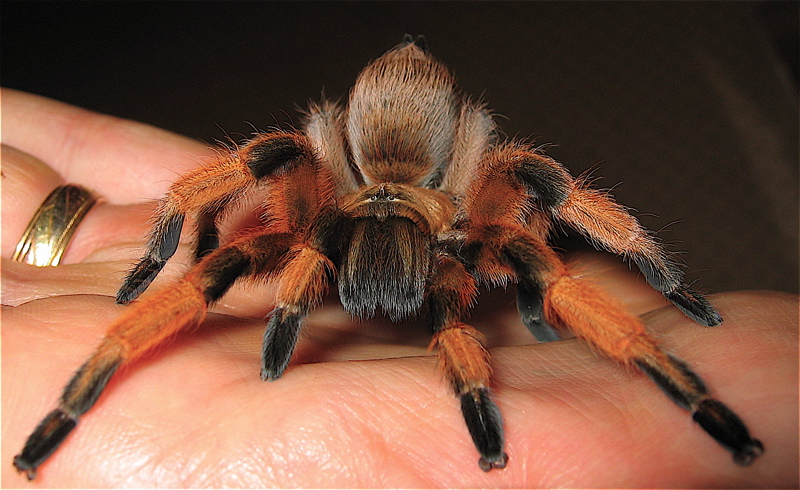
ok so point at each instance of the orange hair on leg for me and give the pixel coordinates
(610, 226)
(146, 324)
(599, 319)
(462, 357)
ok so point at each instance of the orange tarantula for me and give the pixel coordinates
(409, 202)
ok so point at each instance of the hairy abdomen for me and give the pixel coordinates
(402, 117)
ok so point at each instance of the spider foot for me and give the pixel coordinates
(530, 307)
(487, 465)
(162, 246)
(747, 455)
(279, 342)
(138, 279)
(485, 425)
(694, 305)
(23, 466)
(729, 430)
(50, 433)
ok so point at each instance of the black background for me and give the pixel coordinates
(687, 109)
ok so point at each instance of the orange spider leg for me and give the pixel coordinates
(301, 284)
(146, 324)
(611, 227)
(599, 319)
(499, 248)
(463, 359)
(501, 195)
(529, 179)
(206, 192)
(595, 316)
(302, 203)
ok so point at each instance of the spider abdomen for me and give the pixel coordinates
(401, 118)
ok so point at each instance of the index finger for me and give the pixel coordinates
(124, 161)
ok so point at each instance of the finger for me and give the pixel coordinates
(108, 233)
(27, 181)
(124, 161)
(24, 283)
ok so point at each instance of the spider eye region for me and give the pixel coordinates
(382, 201)
(382, 194)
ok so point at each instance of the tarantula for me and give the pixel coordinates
(408, 200)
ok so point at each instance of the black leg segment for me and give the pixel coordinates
(485, 425)
(668, 279)
(530, 307)
(162, 245)
(50, 433)
(729, 430)
(80, 394)
(694, 305)
(207, 234)
(275, 152)
(279, 342)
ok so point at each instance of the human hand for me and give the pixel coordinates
(361, 405)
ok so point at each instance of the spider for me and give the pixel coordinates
(408, 200)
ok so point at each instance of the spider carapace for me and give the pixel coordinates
(409, 201)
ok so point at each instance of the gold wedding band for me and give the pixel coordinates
(53, 225)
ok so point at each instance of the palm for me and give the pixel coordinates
(195, 412)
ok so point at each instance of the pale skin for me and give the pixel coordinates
(361, 404)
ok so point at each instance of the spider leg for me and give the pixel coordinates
(520, 173)
(610, 226)
(206, 192)
(499, 243)
(598, 318)
(463, 359)
(530, 304)
(301, 285)
(303, 279)
(146, 324)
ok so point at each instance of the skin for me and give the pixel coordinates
(361, 404)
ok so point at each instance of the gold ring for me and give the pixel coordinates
(53, 225)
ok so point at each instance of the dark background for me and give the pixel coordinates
(688, 110)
